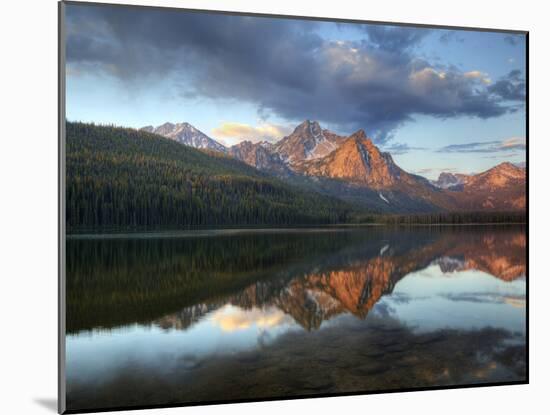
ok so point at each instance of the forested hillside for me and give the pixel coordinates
(118, 177)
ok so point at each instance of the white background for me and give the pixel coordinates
(28, 204)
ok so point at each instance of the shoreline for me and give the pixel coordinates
(191, 233)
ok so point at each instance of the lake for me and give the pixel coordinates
(229, 315)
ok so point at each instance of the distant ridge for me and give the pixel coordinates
(354, 169)
(185, 133)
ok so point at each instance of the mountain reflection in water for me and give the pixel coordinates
(158, 321)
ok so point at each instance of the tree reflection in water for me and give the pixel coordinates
(327, 312)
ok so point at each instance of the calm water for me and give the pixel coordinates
(212, 317)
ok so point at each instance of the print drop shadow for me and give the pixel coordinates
(48, 403)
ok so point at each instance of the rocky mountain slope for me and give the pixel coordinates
(356, 286)
(260, 155)
(354, 169)
(358, 160)
(502, 187)
(185, 133)
(308, 141)
(359, 163)
(448, 180)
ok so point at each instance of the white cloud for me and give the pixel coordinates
(232, 318)
(234, 132)
(508, 144)
(481, 76)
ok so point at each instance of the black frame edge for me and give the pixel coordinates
(295, 397)
(61, 379)
(527, 361)
(297, 17)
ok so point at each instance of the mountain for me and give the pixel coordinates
(260, 155)
(450, 180)
(502, 187)
(357, 160)
(185, 133)
(501, 176)
(119, 177)
(355, 285)
(373, 174)
(310, 277)
(308, 141)
(353, 169)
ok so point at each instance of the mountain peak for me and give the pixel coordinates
(186, 134)
(260, 156)
(501, 187)
(361, 135)
(167, 125)
(448, 180)
(309, 127)
(357, 159)
(308, 141)
(506, 165)
(505, 171)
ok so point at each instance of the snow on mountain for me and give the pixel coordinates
(308, 141)
(185, 133)
(383, 198)
(449, 180)
(261, 156)
(356, 162)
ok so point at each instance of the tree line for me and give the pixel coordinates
(451, 218)
(125, 178)
(119, 177)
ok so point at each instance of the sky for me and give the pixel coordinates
(436, 99)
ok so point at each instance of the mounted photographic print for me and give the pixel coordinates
(258, 207)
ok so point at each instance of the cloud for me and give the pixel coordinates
(435, 171)
(514, 143)
(478, 75)
(424, 171)
(449, 36)
(501, 156)
(232, 319)
(400, 148)
(394, 38)
(509, 144)
(510, 87)
(487, 298)
(282, 67)
(233, 132)
(513, 39)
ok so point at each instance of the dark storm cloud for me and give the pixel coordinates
(395, 38)
(141, 41)
(448, 36)
(511, 87)
(283, 67)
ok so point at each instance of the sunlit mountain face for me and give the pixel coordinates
(372, 309)
(313, 157)
(358, 285)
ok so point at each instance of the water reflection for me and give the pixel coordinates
(261, 315)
